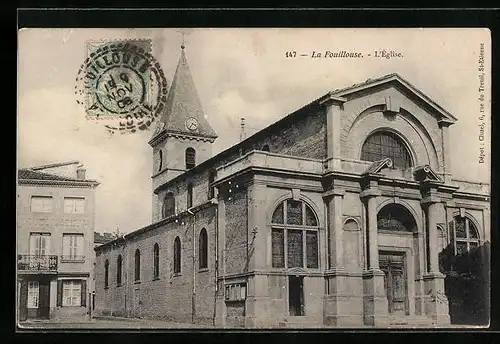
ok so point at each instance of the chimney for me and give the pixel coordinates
(80, 173)
(242, 133)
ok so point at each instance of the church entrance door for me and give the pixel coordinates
(394, 267)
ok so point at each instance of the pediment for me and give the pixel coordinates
(391, 106)
(426, 173)
(377, 166)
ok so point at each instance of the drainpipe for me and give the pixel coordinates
(124, 276)
(216, 262)
(193, 295)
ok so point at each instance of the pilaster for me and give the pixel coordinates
(333, 200)
(446, 167)
(435, 299)
(258, 312)
(375, 304)
(333, 131)
(343, 302)
(257, 224)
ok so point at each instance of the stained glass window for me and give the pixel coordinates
(278, 248)
(295, 249)
(312, 249)
(137, 265)
(466, 235)
(106, 273)
(156, 261)
(294, 237)
(203, 249)
(294, 212)
(278, 215)
(119, 270)
(177, 255)
(383, 145)
(310, 217)
(395, 217)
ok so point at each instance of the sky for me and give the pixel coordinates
(238, 73)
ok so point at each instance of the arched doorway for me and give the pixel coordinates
(396, 222)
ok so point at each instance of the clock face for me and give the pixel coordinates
(191, 124)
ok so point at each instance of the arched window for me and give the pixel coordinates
(265, 148)
(395, 217)
(465, 234)
(294, 232)
(160, 160)
(190, 195)
(203, 249)
(211, 189)
(137, 265)
(119, 270)
(177, 255)
(169, 205)
(190, 158)
(106, 273)
(156, 261)
(381, 145)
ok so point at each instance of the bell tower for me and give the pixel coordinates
(183, 137)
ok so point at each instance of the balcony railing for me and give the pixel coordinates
(26, 262)
(262, 159)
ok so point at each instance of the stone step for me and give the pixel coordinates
(299, 322)
(410, 320)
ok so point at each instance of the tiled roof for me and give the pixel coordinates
(25, 173)
(104, 237)
(183, 102)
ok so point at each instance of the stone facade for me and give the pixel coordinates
(49, 264)
(351, 272)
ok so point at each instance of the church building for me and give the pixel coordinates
(335, 215)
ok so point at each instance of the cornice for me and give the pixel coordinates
(58, 183)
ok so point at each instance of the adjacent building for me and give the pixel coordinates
(334, 215)
(55, 225)
(99, 239)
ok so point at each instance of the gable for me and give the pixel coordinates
(395, 80)
(393, 107)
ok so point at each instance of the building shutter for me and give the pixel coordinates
(23, 303)
(84, 293)
(59, 293)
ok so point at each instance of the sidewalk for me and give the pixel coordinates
(106, 322)
(149, 323)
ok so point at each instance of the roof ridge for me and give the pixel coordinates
(58, 164)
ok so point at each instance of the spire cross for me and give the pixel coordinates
(183, 33)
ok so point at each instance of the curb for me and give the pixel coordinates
(111, 318)
(154, 321)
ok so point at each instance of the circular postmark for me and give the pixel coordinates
(123, 83)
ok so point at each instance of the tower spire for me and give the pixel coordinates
(183, 112)
(183, 43)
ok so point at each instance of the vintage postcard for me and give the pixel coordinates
(253, 178)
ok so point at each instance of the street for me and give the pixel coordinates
(105, 323)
